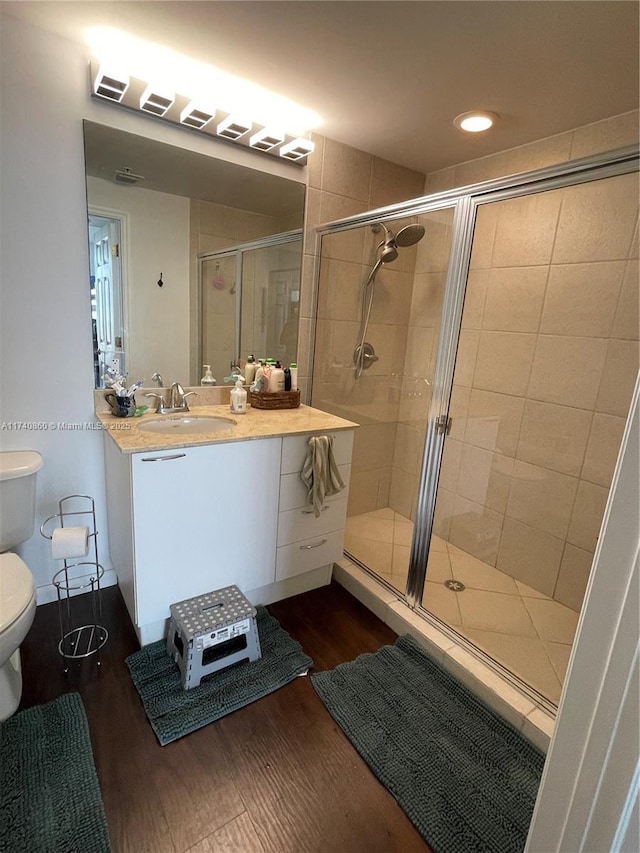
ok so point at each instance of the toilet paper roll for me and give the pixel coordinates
(68, 542)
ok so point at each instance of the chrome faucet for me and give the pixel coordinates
(174, 400)
(157, 377)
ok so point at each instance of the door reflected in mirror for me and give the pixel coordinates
(159, 216)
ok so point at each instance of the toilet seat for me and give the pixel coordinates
(16, 589)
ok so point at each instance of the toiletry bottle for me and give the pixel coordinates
(238, 398)
(294, 376)
(250, 370)
(287, 379)
(208, 378)
(276, 380)
(267, 369)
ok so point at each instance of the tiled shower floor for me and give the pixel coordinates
(520, 627)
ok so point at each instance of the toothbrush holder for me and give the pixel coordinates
(121, 407)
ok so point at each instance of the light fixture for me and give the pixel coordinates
(297, 149)
(233, 127)
(156, 101)
(111, 84)
(194, 115)
(475, 121)
(266, 139)
(178, 89)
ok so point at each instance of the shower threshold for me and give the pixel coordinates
(534, 718)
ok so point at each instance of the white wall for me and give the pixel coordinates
(46, 360)
(156, 318)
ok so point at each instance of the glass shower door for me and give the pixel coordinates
(546, 362)
(381, 288)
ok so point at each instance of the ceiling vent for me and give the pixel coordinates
(127, 176)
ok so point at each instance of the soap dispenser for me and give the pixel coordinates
(208, 378)
(250, 370)
(238, 398)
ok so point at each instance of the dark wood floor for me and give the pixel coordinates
(278, 776)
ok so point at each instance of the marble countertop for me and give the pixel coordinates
(256, 423)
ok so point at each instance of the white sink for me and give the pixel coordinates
(187, 425)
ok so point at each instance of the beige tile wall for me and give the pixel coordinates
(546, 366)
(344, 181)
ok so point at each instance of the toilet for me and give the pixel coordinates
(18, 471)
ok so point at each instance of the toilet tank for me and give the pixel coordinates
(18, 471)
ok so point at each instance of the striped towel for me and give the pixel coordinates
(320, 473)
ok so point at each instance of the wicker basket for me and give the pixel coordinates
(274, 399)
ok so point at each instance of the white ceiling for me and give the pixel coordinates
(389, 76)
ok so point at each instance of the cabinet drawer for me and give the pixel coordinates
(293, 492)
(300, 557)
(294, 450)
(298, 524)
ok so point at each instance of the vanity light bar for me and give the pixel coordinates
(266, 139)
(193, 116)
(109, 85)
(297, 149)
(197, 113)
(154, 102)
(233, 127)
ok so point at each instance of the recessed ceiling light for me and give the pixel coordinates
(475, 121)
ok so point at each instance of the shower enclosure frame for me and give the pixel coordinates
(465, 202)
(239, 250)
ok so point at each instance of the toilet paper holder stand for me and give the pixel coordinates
(76, 579)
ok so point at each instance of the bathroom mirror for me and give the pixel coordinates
(154, 211)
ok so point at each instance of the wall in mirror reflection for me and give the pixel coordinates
(249, 298)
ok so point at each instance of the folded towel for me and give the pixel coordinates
(320, 473)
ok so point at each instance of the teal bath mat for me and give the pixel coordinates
(465, 777)
(174, 712)
(50, 799)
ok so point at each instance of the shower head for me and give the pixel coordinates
(409, 235)
(389, 252)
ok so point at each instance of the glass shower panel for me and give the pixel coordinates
(545, 368)
(218, 320)
(380, 292)
(271, 301)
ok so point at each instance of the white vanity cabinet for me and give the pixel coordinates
(187, 520)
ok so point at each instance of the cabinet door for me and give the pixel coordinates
(293, 492)
(298, 524)
(204, 518)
